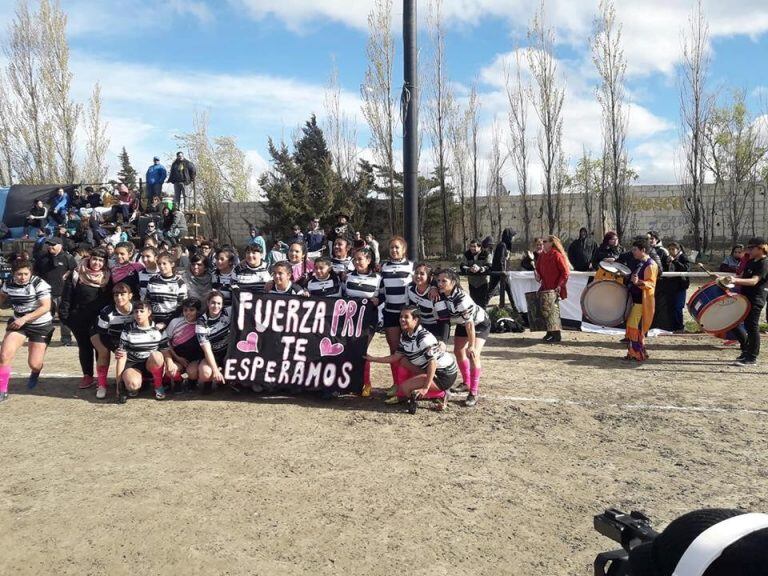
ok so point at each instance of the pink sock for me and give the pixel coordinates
(465, 374)
(101, 376)
(157, 377)
(394, 368)
(5, 375)
(402, 375)
(367, 373)
(476, 373)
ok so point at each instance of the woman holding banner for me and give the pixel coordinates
(213, 335)
(396, 275)
(363, 282)
(472, 329)
(421, 354)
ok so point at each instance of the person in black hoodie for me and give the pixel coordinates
(499, 264)
(581, 251)
(475, 265)
(609, 249)
(677, 286)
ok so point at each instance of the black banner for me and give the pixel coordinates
(21, 199)
(296, 342)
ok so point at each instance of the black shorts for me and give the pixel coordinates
(439, 330)
(444, 379)
(108, 342)
(391, 319)
(141, 366)
(41, 333)
(482, 330)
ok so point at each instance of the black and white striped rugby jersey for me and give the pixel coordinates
(165, 295)
(26, 298)
(427, 308)
(251, 279)
(214, 331)
(144, 277)
(459, 308)
(421, 347)
(328, 288)
(111, 322)
(292, 290)
(138, 343)
(362, 285)
(223, 283)
(342, 266)
(182, 337)
(395, 278)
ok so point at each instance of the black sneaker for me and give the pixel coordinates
(471, 401)
(413, 404)
(741, 357)
(745, 362)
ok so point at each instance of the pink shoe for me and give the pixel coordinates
(730, 342)
(86, 382)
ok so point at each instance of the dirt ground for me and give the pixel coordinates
(222, 485)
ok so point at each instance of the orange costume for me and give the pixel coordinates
(643, 308)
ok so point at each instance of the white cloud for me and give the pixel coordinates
(651, 28)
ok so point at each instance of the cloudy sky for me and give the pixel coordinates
(260, 67)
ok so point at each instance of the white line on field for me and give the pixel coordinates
(660, 407)
(545, 400)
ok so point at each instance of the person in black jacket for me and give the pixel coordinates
(499, 264)
(183, 174)
(475, 265)
(54, 265)
(609, 249)
(677, 286)
(581, 251)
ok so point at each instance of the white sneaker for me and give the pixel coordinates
(101, 393)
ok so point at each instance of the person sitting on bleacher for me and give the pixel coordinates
(60, 207)
(174, 224)
(37, 218)
(124, 204)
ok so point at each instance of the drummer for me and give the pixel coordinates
(753, 284)
(642, 285)
(552, 270)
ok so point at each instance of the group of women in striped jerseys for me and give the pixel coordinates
(174, 330)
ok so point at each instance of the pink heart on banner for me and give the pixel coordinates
(328, 349)
(250, 344)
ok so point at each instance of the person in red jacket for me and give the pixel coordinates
(552, 270)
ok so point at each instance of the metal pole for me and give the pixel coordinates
(410, 110)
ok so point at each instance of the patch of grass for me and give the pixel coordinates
(692, 327)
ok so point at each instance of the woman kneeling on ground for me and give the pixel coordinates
(139, 354)
(105, 334)
(421, 354)
(213, 334)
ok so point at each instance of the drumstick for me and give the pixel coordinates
(711, 274)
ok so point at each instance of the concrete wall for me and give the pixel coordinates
(653, 207)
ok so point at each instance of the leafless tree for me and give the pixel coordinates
(57, 79)
(517, 95)
(694, 106)
(611, 64)
(439, 110)
(97, 143)
(458, 137)
(32, 163)
(6, 135)
(495, 183)
(378, 100)
(340, 129)
(473, 127)
(586, 181)
(547, 97)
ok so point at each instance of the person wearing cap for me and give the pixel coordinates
(156, 175)
(54, 266)
(752, 284)
(707, 542)
(315, 238)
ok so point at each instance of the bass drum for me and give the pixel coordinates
(605, 303)
(717, 309)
